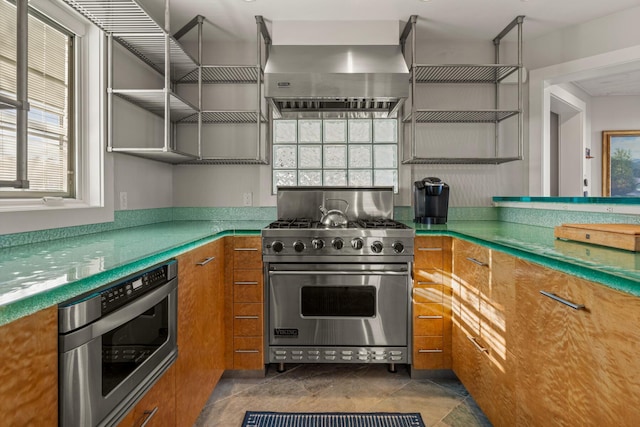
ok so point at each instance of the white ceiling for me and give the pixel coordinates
(233, 20)
(620, 84)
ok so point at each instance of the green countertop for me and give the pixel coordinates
(615, 268)
(39, 275)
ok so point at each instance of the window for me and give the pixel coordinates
(91, 201)
(335, 152)
(50, 119)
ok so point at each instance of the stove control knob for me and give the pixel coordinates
(298, 246)
(357, 243)
(376, 247)
(337, 243)
(317, 243)
(277, 246)
(398, 247)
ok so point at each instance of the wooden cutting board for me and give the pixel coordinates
(621, 236)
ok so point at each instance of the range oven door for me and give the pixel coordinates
(106, 366)
(338, 305)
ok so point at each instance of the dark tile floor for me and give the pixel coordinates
(342, 388)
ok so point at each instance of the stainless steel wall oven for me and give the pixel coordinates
(114, 343)
(337, 294)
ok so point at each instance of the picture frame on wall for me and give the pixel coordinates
(621, 163)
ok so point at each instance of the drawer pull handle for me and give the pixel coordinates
(429, 317)
(475, 261)
(423, 350)
(247, 317)
(245, 249)
(206, 261)
(149, 415)
(245, 283)
(430, 249)
(247, 351)
(478, 346)
(563, 301)
(428, 283)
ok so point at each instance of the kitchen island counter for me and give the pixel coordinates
(39, 275)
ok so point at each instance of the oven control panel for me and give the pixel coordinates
(337, 245)
(338, 355)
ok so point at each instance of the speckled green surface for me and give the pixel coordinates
(39, 275)
(551, 218)
(577, 200)
(122, 219)
(615, 268)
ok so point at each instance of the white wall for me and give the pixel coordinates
(610, 113)
(605, 45)
(616, 31)
(148, 184)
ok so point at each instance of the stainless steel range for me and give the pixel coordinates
(338, 278)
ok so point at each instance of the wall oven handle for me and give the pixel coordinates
(149, 415)
(206, 261)
(563, 301)
(340, 272)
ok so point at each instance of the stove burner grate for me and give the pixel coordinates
(294, 223)
(380, 223)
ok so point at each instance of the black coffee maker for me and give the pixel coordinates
(430, 201)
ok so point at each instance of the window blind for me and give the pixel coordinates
(50, 55)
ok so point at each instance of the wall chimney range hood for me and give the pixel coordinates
(309, 78)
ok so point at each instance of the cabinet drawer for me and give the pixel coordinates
(247, 286)
(248, 353)
(428, 353)
(428, 319)
(247, 253)
(471, 264)
(157, 408)
(427, 276)
(428, 293)
(247, 320)
(428, 252)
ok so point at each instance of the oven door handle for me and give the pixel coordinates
(339, 272)
(117, 318)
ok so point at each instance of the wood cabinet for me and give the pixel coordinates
(201, 331)
(431, 308)
(157, 408)
(484, 328)
(29, 370)
(576, 365)
(245, 296)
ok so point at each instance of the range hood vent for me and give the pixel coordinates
(370, 79)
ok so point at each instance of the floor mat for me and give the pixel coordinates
(331, 419)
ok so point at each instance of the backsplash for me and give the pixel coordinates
(552, 218)
(134, 218)
(122, 219)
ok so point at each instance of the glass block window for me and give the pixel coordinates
(335, 152)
